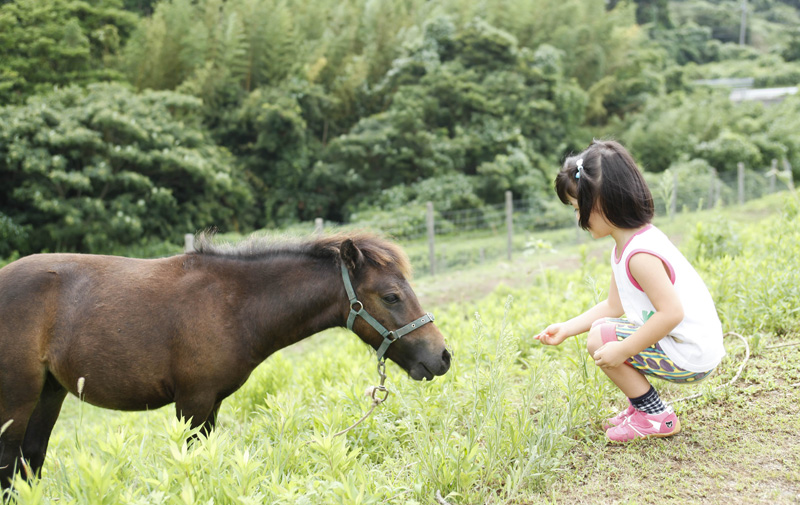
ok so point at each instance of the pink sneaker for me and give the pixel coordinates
(643, 425)
(619, 418)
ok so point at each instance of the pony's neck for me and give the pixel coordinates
(288, 299)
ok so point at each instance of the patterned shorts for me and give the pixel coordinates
(651, 361)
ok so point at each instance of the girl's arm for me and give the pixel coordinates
(610, 307)
(650, 273)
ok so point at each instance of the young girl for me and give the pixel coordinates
(670, 330)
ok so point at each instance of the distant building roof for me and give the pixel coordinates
(763, 94)
(731, 82)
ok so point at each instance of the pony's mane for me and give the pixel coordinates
(376, 250)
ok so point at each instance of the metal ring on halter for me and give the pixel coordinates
(353, 304)
(383, 389)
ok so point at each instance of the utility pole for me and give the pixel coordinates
(743, 26)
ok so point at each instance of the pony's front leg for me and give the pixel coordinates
(19, 396)
(11, 460)
(9, 449)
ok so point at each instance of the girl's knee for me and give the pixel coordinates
(595, 340)
(600, 333)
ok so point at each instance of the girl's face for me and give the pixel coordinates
(599, 226)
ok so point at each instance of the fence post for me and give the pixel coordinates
(712, 187)
(673, 199)
(319, 226)
(740, 173)
(188, 243)
(431, 235)
(510, 222)
(788, 167)
(773, 172)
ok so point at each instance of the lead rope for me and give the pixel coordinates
(735, 377)
(372, 392)
(741, 367)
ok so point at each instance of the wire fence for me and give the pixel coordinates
(498, 231)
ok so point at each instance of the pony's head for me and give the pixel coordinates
(379, 271)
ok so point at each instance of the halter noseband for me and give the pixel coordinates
(388, 336)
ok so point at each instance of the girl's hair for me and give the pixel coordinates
(608, 181)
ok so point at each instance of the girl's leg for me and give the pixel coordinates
(649, 417)
(629, 380)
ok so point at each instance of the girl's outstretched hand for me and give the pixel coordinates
(552, 335)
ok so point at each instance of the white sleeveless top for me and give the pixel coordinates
(696, 343)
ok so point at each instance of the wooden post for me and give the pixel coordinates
(712, 187)
(743, 24)
(673, 198)
(773, 173)
(510, 222)
(788, 167)
(431, 235)
(740, 173)
(319, 226)
(188, 243)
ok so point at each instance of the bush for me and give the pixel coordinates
(92, 169)
(695, 179)
(12, 236)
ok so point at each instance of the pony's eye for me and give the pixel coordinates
(391, 298)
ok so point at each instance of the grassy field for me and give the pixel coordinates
(512, 422)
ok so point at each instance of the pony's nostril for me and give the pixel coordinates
(446, 356)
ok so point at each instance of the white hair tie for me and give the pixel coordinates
(579, 165)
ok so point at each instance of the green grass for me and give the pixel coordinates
(737, 446)
(512, 422)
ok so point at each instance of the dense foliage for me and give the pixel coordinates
(363, 108)
(84, 168)
(58, 43)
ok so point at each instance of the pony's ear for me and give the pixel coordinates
(351, 255)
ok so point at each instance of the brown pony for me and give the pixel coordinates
(138, 334)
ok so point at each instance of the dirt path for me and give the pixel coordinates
(457, 286)
(741, 448)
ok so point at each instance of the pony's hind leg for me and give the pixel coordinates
(200, 410)
(40, 425)
(211, 420)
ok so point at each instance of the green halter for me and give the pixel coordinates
(389, 337)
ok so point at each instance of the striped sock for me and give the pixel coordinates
(650, 402)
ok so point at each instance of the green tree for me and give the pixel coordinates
(669, 127)
(465, 102)
(705, 125)
(688, 43)
(90, 169)
(655, 12)
(59, 42)
(276, 133)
